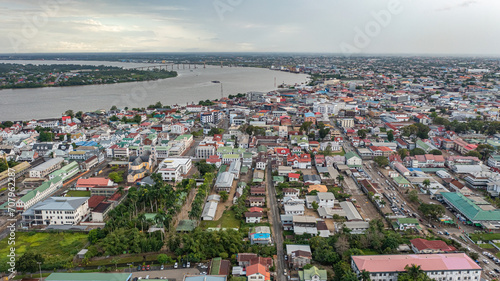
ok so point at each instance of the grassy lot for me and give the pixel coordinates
(78, 193)
(136, 259)
(226, 221)
(341, 153)
(485, 236)
(35, 275)
(57, 249)
(486, 246)
(369, 252)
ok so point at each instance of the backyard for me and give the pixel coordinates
(57, 249)
(226, 221)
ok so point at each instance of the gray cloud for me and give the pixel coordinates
(250, 25)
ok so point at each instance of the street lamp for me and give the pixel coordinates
(40, 267)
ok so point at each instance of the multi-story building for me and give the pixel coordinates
(38, 194)
(346, 123)
(46, 168)
(204, 151)
(57, 211)
(494, 161)
(449, 267)
(325, 108)
(174, 169)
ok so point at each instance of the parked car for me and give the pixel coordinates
(139, 268)
(162, 267)
(147, 267)
(188, 264)
(176, 265)
(143, 268)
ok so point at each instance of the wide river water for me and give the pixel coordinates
(191, 85)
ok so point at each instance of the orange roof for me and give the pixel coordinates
(258, 269)
(92, 181)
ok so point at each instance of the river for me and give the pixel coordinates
(191, 85)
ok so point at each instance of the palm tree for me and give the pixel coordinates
(142, 220)
(364, 275)
(414, 271)
(340, 178)
(426, 183)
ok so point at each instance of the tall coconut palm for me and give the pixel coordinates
(414, 271)
(364, 275)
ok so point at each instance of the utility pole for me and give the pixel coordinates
(40, 267)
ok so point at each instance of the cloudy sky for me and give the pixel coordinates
(327, 26)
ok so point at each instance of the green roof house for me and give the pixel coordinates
(312, 274)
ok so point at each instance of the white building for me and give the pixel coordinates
(46, 168)
(346, 123)
(57, 211)
(324, 199)
(174, 169)
(325, 108)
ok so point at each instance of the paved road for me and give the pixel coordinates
(278, 232)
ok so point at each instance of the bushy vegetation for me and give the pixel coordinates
(125, 230)
(56, 249)
(199, 199)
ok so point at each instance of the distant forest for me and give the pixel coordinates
(56, 75)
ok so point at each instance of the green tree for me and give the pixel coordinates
(485, 150)
(434, 211)
(305, 127)
(473, 255)
(403, 152)
(364, 275)
(315, 205)
(95, 235)
(215, 131)
(426, 183)
(381, 161)
(417, 151)
(114, 107)
(413, 196)
(223, 195)
(413, 273)
(7, 124)
(340, 178)
(390, 135)
(70, 113)
(323, 132)
(116, 177)
(46, 136)
(28, 262)
(362, 133)
(114, 118)
(162, 258)
(137, 119)
(474, 153)
(436, 152)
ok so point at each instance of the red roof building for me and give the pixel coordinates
(422, 246)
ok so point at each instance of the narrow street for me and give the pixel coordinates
(278, 232)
